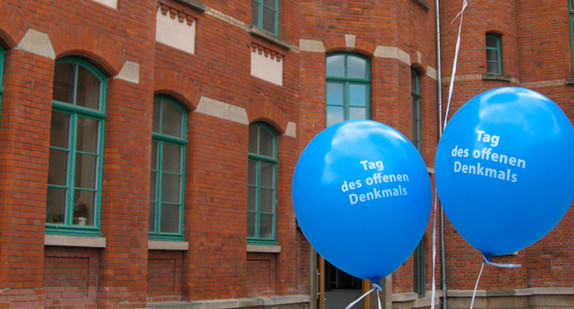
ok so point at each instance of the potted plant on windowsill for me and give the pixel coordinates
(81, 212)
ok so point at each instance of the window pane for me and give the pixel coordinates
(56, 205)
(84, 202)
(266, 200)
(357, 67)
(86, 171)
(335, 93)
(170, 188)
(252, 173)
(171, 159)
(253, 139)
(156, 115)
(172, 122)
(59, 132)
(415, 87)
(267, 143)
(357, 113)
(169, 218)
(266, 226)
(492, 67)
(269, 20)
(252, 198)
(357, 95)
(87, 139)
(335, 114)
(154, 155)
(492, 55)
(88, 89)
(64, 83)
(58, 167)
(492, 42)
(267, 175)
(336, 65)
(255, 12)
(270, 3)
(153, 187)
(251, 224)
(152, 217)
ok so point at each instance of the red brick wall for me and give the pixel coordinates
(164, 276)
(25, 128)
(70, 277)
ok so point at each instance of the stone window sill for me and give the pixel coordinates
(270, 38)
(501, 78)
(168, 245)
(263, 248)
(194, 4)
(74, 241)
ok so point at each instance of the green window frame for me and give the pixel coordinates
(262, 184)
(265, 14)
(493, 54)
(167, 192)
(348, 84)
(416, 109)
(419, 269)
(76, 148)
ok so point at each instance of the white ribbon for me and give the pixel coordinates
(454, 65)
(476, 285)
(377, 288)
(450, 90)
(487, 260)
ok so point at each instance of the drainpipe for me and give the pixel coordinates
(440, 129)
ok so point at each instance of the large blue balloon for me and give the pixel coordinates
(362, 196)
(505, 169)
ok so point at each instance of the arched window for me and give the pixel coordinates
(262, 180)
(76, 147)
(348, 88)
(493, 54)
(167, 169)
(416, 109)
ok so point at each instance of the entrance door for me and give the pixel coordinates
(337, 288)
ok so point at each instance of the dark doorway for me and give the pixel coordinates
(341, 289)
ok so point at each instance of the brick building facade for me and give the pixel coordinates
(147, 147)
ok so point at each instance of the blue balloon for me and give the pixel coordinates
(362, 197)
(505, 169)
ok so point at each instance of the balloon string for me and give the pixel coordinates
(450, 90)
(476, 285)
(433, 293)
(379, 299)
(489, 262)
(454, 65)
(375, 287)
